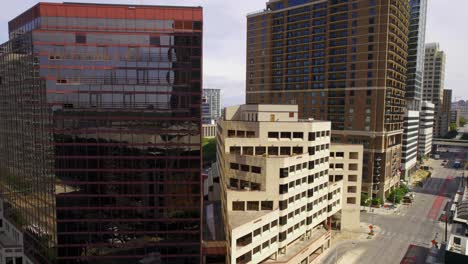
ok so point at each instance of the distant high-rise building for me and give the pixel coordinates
(343, 61)
(414, 78)
(206, 111)
(445, 113)
(213, 98)
(426, 125)
(433, 85)
(100, 134)
(415, 66)
(281, 183)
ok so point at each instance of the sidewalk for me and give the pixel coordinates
(387, 209)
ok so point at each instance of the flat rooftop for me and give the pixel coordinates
(7, 242)
(239, 218)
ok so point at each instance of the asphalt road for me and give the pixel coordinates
(407, 233)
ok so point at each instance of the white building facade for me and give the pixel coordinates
(426, 125)
(409, 152)
(277, 197)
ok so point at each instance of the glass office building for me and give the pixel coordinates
(100, 133)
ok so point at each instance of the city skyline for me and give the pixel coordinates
(226, 39)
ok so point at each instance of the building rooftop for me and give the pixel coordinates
(7, 242)
(239, 218)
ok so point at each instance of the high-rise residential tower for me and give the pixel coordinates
(343, 61)
(100, 133)
(433, 85)
(446, 108)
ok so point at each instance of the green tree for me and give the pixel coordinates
(365, 200)
(209, 151)
(462, 122)
(376, 201)
(453, 127)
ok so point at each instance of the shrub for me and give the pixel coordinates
(376, 201)
(365, 200)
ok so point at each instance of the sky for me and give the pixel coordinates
(225, 33)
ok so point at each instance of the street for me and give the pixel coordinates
(405, 236)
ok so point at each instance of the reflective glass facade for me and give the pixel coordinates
(100, 132)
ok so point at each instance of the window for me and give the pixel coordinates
(352, 178)
(283, 220)
(283, 172)
(234, 166)
(298, 135)
(266, 205)
(291, 114)
(255, 251)
(273, 135)
(311, 136)
(283, 189)
(244, 168)
(283, 205)
(285, 134)
(257, 170)
(273, 240)
(351, 189)
(81, 39)
(252, 205)
(238, 206)
(257, 232)
(154, 40)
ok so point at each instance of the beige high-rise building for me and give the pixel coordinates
(342, 61)
(433, 85)
(445, 113)
(278, 192)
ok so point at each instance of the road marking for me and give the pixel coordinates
(437, 204)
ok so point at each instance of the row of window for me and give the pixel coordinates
(272, 151)
(298, 135)
(284, 188)
(246, 168)
(243, 185)
(252, 205)
(241, 133)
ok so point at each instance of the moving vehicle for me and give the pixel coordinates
(457, 164)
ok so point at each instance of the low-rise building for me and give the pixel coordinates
(208, 130)
(409, 146)
(457, 245)
(346, 165)
(277, 195)
(11, 241)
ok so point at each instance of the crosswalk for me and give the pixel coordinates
(413, 239)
